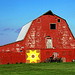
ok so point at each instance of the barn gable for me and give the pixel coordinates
(51, 25)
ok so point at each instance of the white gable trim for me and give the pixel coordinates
(24, 31)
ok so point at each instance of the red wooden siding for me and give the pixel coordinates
(63, 42)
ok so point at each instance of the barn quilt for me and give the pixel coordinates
(33, 56)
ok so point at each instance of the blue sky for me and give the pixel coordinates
(16, 13)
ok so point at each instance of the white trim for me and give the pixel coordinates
(24, 31)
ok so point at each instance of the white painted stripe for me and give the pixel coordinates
(24, 31)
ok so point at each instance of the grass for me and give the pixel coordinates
(38, 69)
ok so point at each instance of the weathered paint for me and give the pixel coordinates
(61, 36)
(35, 38)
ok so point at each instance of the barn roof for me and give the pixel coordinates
(49, 13)
(23, 31)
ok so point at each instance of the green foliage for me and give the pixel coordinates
(38, 69)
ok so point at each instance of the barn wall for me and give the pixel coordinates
(12, 58)
(65, 54)
(13, 47)
(12, 53)
(40, 28)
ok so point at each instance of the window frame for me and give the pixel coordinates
(55, 26)
(60, 20)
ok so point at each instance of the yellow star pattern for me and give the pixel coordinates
(33, 56)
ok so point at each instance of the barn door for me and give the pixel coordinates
(49, 43)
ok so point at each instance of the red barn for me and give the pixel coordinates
(41, 38)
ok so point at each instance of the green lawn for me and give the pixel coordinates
(38, 69)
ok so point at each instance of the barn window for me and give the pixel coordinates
(69, 52)
(56, 54)
(22, 47)
(63, 53)
(21, 50)
(47, 53)
(52, 26)
(58, 20)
